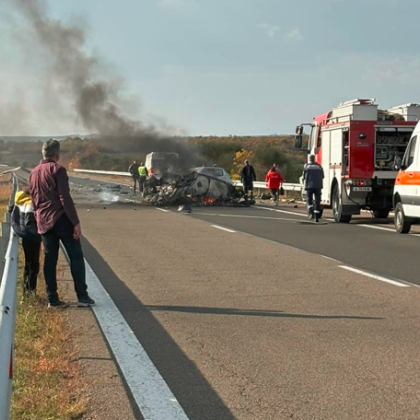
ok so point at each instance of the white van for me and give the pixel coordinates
(407, 186)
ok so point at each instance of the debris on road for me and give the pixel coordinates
(193, 189)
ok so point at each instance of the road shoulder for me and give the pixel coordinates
(105, 390)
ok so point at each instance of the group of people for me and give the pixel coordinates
(45, 213)
(139, 175)
(273, 178)
(313, 176)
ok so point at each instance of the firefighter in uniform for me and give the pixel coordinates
(313, 174)
(143, 176)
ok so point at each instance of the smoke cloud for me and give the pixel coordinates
(87, 82)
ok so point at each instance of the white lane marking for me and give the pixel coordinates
(378, 228)
(289, 212)
(150, 391)
(222, 228)
(282, 211)
(234, 216)
(373, 276)
(166, 211)
(328, 258)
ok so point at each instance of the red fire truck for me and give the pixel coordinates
(360, 148)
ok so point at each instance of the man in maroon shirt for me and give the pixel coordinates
(57, 220)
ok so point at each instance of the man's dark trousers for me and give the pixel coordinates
(275, 194)
(136, 181)
(63, 230)
(31, 248)
(142, 180)
(314, 201)
(248, 187)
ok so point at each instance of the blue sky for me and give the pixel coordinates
(245, 67)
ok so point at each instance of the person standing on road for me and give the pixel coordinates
(248, 176)
(143, 176)
(313, 176)
(274, 178)
(24, 224)
(57, 221)
(134, 171)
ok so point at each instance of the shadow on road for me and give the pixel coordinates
(195, 394)
(248, 312)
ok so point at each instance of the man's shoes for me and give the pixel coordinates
(57, 304)
(85, 302)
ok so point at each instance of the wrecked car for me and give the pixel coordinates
(194, 188)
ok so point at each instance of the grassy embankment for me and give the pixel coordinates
(46, 381)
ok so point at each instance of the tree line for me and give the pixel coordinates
(228, 152)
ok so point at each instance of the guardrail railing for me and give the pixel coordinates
(8, 305)
(257, 185)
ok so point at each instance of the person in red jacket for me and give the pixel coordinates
(274, 178)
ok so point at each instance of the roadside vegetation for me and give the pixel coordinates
(46, 384)
(227, 152)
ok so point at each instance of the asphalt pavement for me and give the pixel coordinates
(248, 313)
(363, 245)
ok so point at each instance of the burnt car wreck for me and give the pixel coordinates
(192, 189)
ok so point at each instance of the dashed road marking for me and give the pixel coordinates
(378, 228)
(150, 391)
(290, 212)
(282, 211)
(328, 258)
(237, 216)
(164, 210)
(222, 228)
(374, 276)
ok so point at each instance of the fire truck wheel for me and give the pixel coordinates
(401, 224)
(339, 217)
(381, 214)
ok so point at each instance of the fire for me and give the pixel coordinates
(208, 200)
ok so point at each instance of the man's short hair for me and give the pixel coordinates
(51, 149)
(312, 158)
(141, 163)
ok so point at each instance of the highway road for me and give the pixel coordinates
(249, 314)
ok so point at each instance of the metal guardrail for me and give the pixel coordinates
(89, 171)
(257, 185)
(8, 305)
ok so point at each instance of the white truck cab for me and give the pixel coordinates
(407, 186)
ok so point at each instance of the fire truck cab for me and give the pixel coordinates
(360, 149)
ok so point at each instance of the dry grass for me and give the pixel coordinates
(47, 382)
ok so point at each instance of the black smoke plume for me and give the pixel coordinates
(97, 101)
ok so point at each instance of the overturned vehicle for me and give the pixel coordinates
(192, 189)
